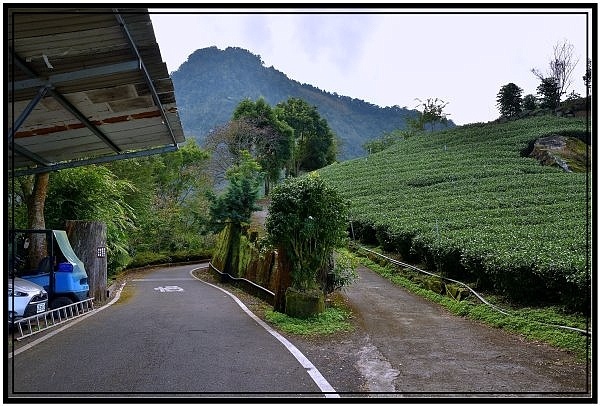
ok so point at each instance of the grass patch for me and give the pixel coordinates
(337, 317)
(126, 295)
(332, 320)
(531, 323)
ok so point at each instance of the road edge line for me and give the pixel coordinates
(312, 370)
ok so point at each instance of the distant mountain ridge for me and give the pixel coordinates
(212, 82)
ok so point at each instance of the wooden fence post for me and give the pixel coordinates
(88, 239)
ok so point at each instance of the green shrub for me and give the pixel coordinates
(307, 219)
(148, 258)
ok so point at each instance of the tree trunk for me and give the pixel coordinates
(283, 280)
(267, 185)
(232, 258)
(88, 239)
(34, 191)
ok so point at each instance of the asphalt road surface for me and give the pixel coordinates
(425, 349)
(168, 334)
(405, 346)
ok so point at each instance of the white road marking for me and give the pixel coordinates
(169, 289)
(313, 372)
(308, 366)
(162, 279)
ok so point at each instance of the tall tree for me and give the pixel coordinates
(561, 67)
(32, 190)
(509, 100)
(432, 115)
(587, 78)
(273, 151)
(530, 102)
(238, 201)
(314, 142)
(549, 93)
(226, 143)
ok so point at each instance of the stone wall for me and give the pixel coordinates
(239, 254)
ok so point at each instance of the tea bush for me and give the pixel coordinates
(468, 204)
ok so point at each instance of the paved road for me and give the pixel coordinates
(408, 347)
(168, 334)
(415, 346)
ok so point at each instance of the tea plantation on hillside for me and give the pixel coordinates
(469, 204)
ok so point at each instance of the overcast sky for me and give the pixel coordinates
(390, 56)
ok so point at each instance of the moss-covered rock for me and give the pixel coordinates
(303, 305)
(568, 153)
(222, 248)
(435, 285)
(237, 253)
(457, 292)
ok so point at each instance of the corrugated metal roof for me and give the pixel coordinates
(86, 86)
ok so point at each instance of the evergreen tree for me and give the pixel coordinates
(238, 201)
(529, 102)
(509, 100)
(549, 93)
(587, 78)
(314, 142)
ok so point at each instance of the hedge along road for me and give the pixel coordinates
(168, 334)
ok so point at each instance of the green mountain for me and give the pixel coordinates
(211, 83)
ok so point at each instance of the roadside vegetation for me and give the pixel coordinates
(332, 320)
(336, 318)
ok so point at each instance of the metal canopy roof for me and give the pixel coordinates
(86, 86)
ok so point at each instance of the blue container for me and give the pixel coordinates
(65, 267)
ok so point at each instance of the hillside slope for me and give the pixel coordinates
(468, 204)
(212, 82)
